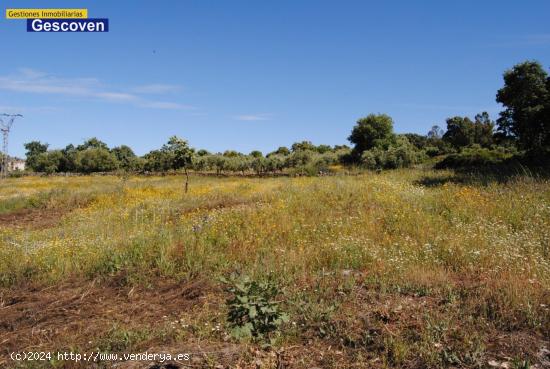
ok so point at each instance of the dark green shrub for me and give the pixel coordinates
(253, 311)
(95, 160)
(474, 156)
(402, 154)
(432, 151)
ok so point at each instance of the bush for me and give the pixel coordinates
(253, 311)
(95, 160)
(475, 156)
(432, 151)
(158, 161)
(400, 155)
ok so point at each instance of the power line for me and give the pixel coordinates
(6, 122)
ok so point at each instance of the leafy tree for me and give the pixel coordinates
(231, 153)
(343, 154)
(243, 164)
(375, 130)
(232, 164)
(181, 155)
(275, 163)
(68, 162)
(460, 132)
(419, 141)
(302, 146)
(299, 158)
(321, 162)
(256, 154)
(434, 142)
(483, 130)
(341, 147)
(259, 164)
(321, 149)
(282, 150)
(372, 159)
(92, 143)
(463, 132)
(219, 163)
(125, 156)
(435, 132)
(526, 97)
(158, 161)
(200, 163)
(202, 152)
(48, 162)
(95, 160)
(34, 149)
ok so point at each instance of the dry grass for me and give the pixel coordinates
(399, 269)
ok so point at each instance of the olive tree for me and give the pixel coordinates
(181, 156)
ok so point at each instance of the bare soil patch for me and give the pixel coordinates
(33, 218)
(33, 317)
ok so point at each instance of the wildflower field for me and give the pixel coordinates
(401, 269)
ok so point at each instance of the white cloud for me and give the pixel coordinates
(23, 110)
(253, 117)
(166, 105)
(43, 86)
(116, 96)
(32, 81)
(156, 89)
(31, 73)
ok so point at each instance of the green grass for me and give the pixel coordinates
(417, 268)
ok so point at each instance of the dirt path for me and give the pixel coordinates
(32, 218)
(68, 315)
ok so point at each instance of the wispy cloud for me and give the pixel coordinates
(32, 81)
(158, 88)
(117, 96)
(31, 73)
(167, 105)
(23, 110)
(253, 117)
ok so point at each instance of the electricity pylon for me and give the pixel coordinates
(6, 122)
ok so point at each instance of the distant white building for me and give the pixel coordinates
(16, 164)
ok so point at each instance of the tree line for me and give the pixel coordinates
(95, 156)
(522, 130)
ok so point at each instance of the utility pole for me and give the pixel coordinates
(6, 122)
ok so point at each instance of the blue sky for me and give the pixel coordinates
(251, 75)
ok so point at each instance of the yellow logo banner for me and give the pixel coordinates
(46, 13)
